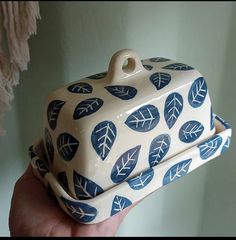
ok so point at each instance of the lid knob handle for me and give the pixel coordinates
(118, 70)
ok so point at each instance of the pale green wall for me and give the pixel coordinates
(76, 39)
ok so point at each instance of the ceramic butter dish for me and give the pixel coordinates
(112, 138)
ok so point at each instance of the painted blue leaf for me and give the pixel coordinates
(211, 120)
(144, 119)
(67, 146)
(31, 152)
(197, 92)
(148, 67)
(85, 188)
(226, 145)
(42, 168)
(103, 137)
(142, 180)
(160, 79)
(122, 92)
(178, 170)
(159, 59)
(158, 149)
(119, 203)
(125, 165)
(178, 67)
(173, 108)
(190, 131)
(223, 122)
(62, 178)
(209, 147)
(49, 145)
(53, 111)
(80, 87)
(81, 212)
(98, 76)
(87, 107)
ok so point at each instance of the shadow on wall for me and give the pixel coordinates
(219, 216)
(74, 40)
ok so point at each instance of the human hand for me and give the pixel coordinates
(34, 213)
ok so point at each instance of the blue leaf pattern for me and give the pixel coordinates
(85, 188)
(160, 79)
(178, 67)
(125, 165)
(122, 92)
(190, 131)
(53, 111)
(178, 170)
(67, 146)
(98, 76)
(87, 107)
(119, 203)
(158, 149)
(103, 137)
(209, 147)
(49, 145)
(226, 145)
(148, 67)
(81, 212)
(197, 92)
(42, 169)
(173, 108)
(158, 59)
(212, 120)
(142, 180)
(80, 87)
(144, 119)
(223, 122)
(62, 178)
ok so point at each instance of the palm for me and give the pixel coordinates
(34, 213)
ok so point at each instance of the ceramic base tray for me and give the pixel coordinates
(136, 188)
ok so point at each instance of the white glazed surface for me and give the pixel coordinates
(124, 194)
(86, 161)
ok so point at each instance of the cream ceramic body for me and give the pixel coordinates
(113, 138)
(116, 199)
(153, 83)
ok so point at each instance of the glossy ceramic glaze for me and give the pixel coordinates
(114, 137)
(111, 126)
(114, 200)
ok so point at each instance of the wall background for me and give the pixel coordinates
(76, 39)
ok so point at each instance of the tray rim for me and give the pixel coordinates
(222, 128)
